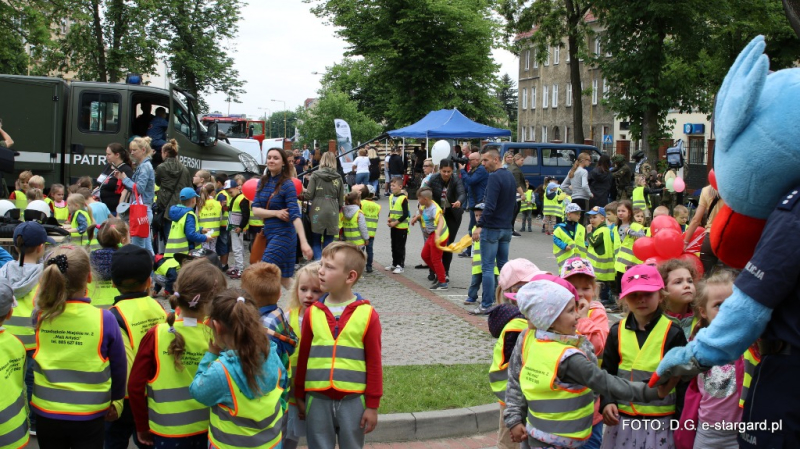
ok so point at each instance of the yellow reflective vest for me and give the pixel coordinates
(21, 324)
(252, 423)
(438, 216)
(372, 212)
(102, 292)
(138, 315)
(351, 232)
(555, 206)
(294, 322)
(477, 262)
(751, 361)
(625, 258)
(20, 200)
(639, 198)
(498, 372)
(223, 221)
(603, 264)
(578, 241)
(552, 408)
(338, 363)
(71, 376)
(527, 202)
(396, 210)
(13, 403)
(638, 365)
(80, 238)
(209, 216)
(176, 241)
(172, 410)
(61, 213)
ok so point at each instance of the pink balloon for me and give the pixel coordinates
(664, 222)
(298, 185)
(669, 243)
(679, 185)
(249, 189)
(644, 248)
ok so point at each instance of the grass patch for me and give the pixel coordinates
(435, 387)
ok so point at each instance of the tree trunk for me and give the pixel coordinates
(116, 15)
(575, 79)
(650, 132)
(99, 45)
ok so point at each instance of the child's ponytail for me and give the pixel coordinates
(112, 233)
(198, 283)
(65, 275)
(237, 312)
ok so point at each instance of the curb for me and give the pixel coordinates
(460, 422)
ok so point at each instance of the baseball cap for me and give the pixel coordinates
(641, 278)
(516, 271)
(230, 184)
(572, 207)
(131, 263)
(543, 300)
(7, 301)
(32, 233)
(188, 193)
(576, 265)
(597, 210)
(552, 186)
(479, 206)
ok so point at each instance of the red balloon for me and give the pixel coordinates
(298, 185)
(712, 179)
(698, 265)
(696, 241)
(644, 248)
(669, 243)
(664, 222)
(249, 189)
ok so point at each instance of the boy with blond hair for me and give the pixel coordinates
(681, 215)
(339, 389)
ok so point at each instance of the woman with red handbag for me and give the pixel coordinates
(110, 190)
(143, 183)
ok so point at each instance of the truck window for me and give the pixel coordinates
(183, 117)
(558, 157)
(99, 113)
(531, 156)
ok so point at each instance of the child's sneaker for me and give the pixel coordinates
(236, 274)
(390, 268)
(442, 286)
(369, 269)
(231, 271)
(398, 269)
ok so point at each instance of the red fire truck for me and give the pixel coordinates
(237, 126)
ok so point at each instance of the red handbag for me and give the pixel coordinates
(140, 226)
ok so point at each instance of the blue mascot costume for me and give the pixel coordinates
(757, 170)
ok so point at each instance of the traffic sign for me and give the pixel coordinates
(607, 139)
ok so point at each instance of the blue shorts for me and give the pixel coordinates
(223, 243)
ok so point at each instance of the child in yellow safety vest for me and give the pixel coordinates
(569, 238)
(352, 220)
(343, 332)
(679, 278)
(57, 203)
(717, 395)
(240, 376)
(239, 215)
(185, 231)
(398, 225)
(23, 277)
(433, 221)
(634, 348)
(526, 208)
(111, 235)
(372, 212)
(79, 358)
(628, 231)
(506, 322)
(223, 246)
(209, 214)
(592, 323)
(553, 205)
(14, 426)
(136, 312)
(80, 218)
(553, 372)
(305, 291)
(20, 194)
(600, 251)
(167, 360)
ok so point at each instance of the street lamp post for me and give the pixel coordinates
(284, 116)
(269, 123)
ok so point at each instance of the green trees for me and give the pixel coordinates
(317, 122)
(417, 57)
(507, 95)
(21, 22)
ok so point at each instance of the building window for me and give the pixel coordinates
(535, 61)
(533, 97)
(605, 88)
(566, 134)
(556, 133)
(544, 134)
(555, 95)
(545, 98)
(524, 137)
(524, 98)
(594, 91)
(556, 54)
(569, 94)
(597, 46)
(567, 58)
(527, 60)
(547, 58)
(533, 134)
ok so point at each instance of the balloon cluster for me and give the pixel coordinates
(667, 243)
(250, 187)
(675, 185)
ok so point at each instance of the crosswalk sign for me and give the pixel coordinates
(607, 139)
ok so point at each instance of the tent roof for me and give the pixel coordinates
(448, 123)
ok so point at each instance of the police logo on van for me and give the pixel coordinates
(191, 162)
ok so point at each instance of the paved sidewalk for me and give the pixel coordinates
(483, 441)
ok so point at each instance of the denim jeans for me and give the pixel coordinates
(375, 185)
(318, 244)
(29, 384)
(494, 246)
(369, 251)
(362, 178)
(145, 242)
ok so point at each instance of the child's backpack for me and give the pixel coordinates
(675, 158)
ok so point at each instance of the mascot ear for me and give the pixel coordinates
(739, 94)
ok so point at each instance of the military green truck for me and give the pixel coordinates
(61, 130)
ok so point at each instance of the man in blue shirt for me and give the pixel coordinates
(493, 229)
(475, 182)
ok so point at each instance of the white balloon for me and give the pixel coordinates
(440, 150)
(5, 206)
(39, 205)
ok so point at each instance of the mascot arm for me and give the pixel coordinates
(725, 340)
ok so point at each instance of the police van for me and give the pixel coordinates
(61, 130)
(544, 160)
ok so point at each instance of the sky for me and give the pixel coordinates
(279, 44)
